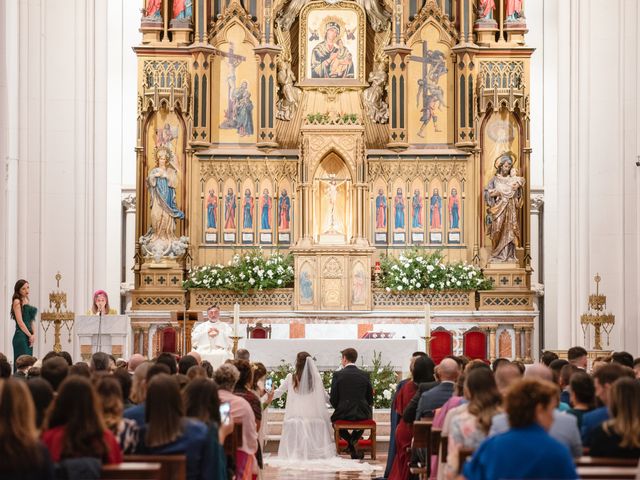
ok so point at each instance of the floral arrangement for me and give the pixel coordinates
(418, 270)
(383, 380)
(331, 118)
(251, 271)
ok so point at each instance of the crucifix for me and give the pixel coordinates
(233, 61)
(425, 61)
(332, 190)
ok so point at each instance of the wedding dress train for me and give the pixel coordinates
(307, 441)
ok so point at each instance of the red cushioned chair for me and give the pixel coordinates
(259, 331)
(474, 344)
(441, 344)
(168, 340)
(364, 444)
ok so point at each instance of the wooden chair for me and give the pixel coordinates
(441, 344)
(463, 455)
(364, 444)
(132, 471)
(474, 344)
(259, 331)
(606, 462)
(172, 467)
(444, 448)
(608, 473)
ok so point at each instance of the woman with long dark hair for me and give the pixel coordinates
(124, 429)
(23, 455)
(76, 428)
(24, 316)
(169, 432)
(422, 372)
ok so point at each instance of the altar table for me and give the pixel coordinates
(271, 352)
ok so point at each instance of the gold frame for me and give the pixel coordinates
(303, 42)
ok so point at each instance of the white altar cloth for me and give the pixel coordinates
(271, 352)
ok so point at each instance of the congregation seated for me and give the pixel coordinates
(42, 396)
(563, 428)
(448, 372)
(22, 454)
(75, 427)
(168, 432)
(530, 405)
(138, 412)
(620, 435)
(124, 429)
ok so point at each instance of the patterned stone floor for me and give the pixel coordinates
(271, 473)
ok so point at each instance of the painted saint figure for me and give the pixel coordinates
(162, 181)
(212, 209)
(503, 196)
(436, 210)
(244, 110)
(454, 209)
(514, 11)
(485, 9)
(306, 287)
(153, 8)
(398, 203)
(230, 210)
(265, 217)
(182, 9)
(381, 210)
(359, 286)
(330, 58)
(247, 209)
(416, 221)
(284, 206)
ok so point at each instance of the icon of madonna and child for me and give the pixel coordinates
(331, 58)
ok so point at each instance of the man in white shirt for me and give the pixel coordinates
(212, 338)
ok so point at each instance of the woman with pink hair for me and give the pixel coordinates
(101, 304)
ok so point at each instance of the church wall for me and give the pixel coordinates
(67, 138)
(590, 179)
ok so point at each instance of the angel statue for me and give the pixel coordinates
(290, 94)
(378, 16)
(377, 108)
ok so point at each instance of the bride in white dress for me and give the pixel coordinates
(307, 441)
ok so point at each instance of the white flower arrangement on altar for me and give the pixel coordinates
(418, 270)
(249, 271)
(383, 379)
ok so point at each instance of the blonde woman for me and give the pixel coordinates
(620, 436)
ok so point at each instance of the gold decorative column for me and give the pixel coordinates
(398, 84)
(518, 341)
(528, 330)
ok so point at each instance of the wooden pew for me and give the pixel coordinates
(422, 440)
(463, 455)
(132, 471)
(606, 462)
(172, 467)
(607, 473)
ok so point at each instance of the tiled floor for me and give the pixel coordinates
(271, 473)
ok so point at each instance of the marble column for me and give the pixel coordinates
(492, 342)
(518, 341)
(528, 331)
(129, 212)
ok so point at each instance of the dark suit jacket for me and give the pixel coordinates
(434, 398)
(351, 394)
(409, 413)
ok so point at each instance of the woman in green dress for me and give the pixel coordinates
(24, 315)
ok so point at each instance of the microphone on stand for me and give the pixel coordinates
(100, 332)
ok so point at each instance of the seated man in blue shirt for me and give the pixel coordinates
(526, 451)
(604, 378)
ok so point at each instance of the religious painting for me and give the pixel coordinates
(211, 211)
(454, 207)
(265, 205)
(435, 212)
(431, 87)
(331, 201)
(332, 45)
(284, 213)
(230, 206)
(305, 284)
(380, 211)
(358, 284)
(399, 207)
(234, 94)
(164, 182)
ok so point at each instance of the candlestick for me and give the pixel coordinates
(427, 320)
(235, 339)
(236, 318)
(427, 345)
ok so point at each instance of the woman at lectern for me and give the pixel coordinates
(101, 304)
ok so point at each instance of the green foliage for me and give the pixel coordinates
(419, 269)
(383, 380)
(251, 271)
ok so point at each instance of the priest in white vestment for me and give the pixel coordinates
(212, 338)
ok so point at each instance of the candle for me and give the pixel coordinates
(427, 320)
(236, 319)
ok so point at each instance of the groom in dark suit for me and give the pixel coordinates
(351, 397)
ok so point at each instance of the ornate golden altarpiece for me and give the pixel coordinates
(338, 130)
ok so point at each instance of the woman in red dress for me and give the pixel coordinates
(421, 372)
